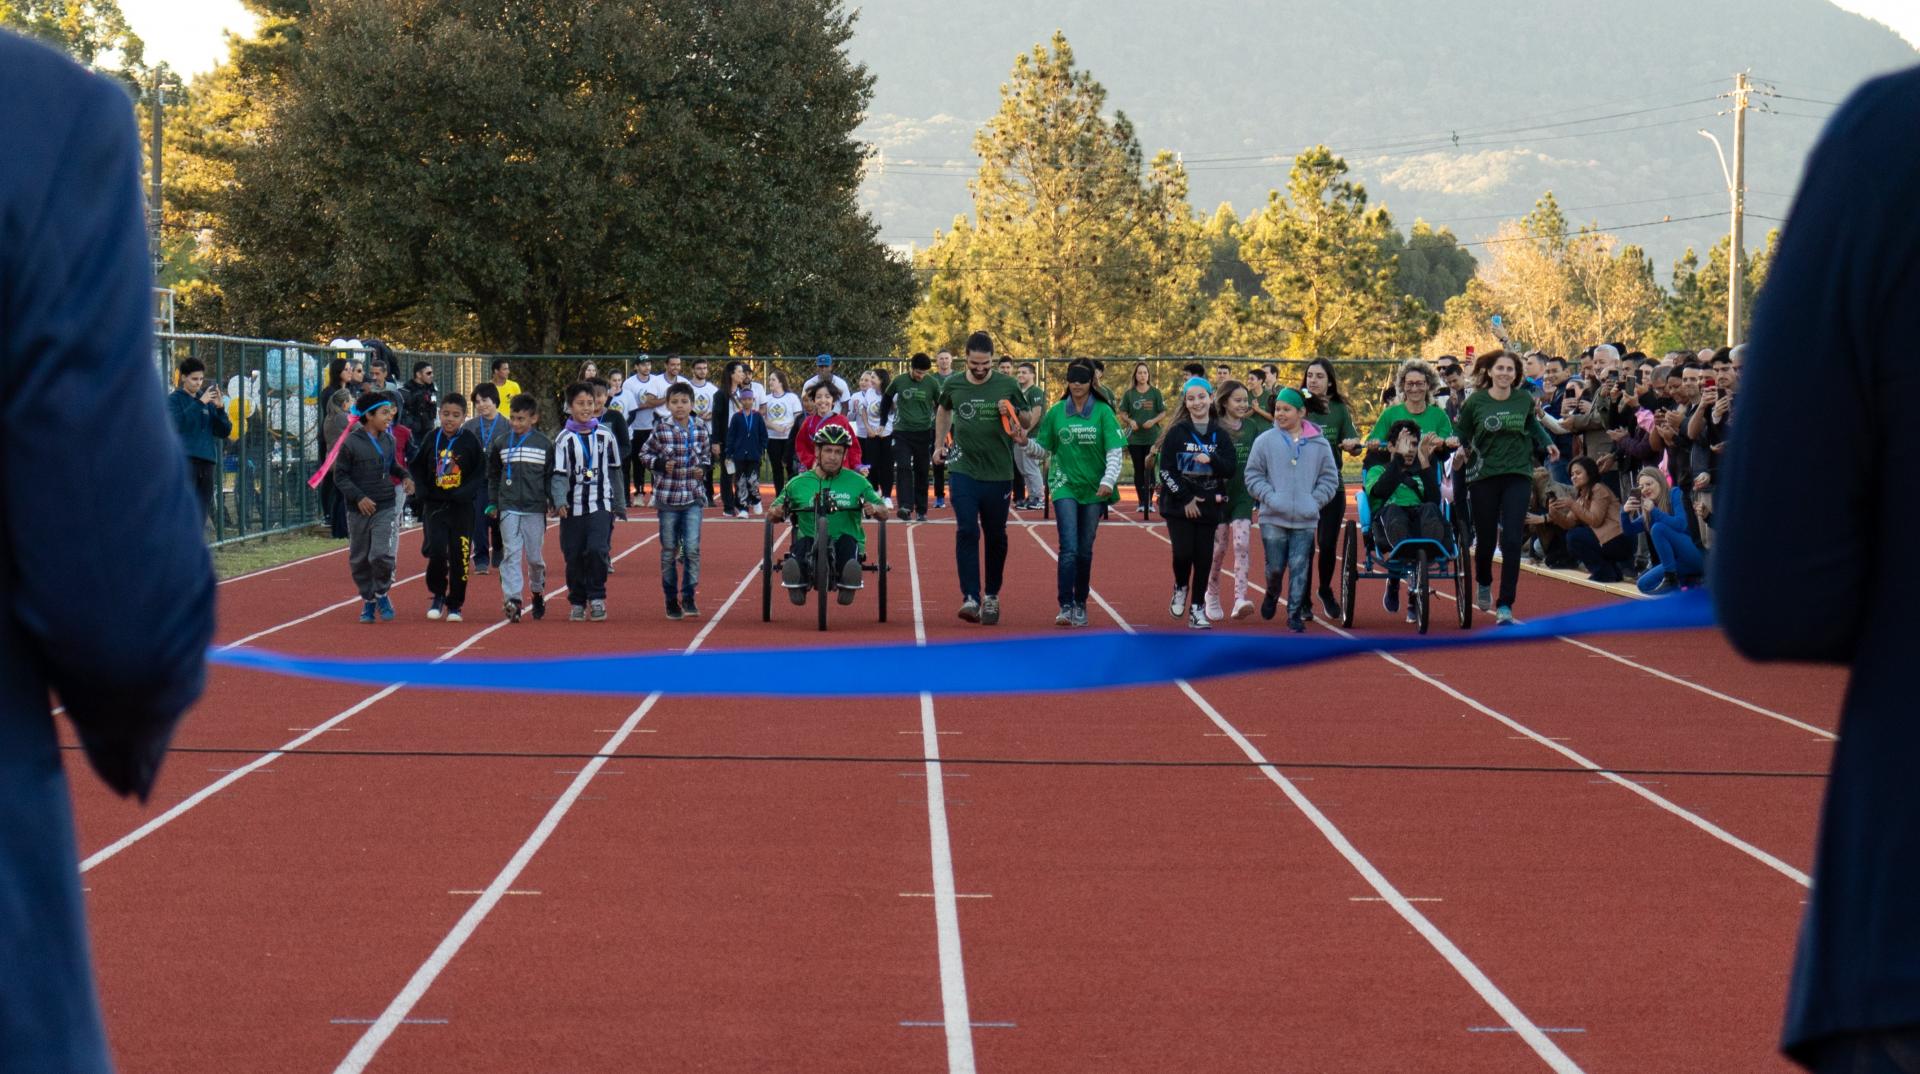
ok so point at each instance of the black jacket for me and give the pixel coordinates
(1182, 481)
(464, 468)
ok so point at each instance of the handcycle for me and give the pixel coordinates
(823, 581)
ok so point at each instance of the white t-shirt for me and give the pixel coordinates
(781, 412)
(657, 386)
(631, 391)
(838, 384)
(703, 396)
(863, 409)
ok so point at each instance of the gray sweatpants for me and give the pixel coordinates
(370, 544)
(524, 534)
(1030, 470)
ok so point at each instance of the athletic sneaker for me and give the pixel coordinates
(385, 604)
(689, 608)
(1413, 609)
(539, 606)
(367, 609)
(990, 611)
(674, 611)
(849, 581)
(649, 499)
(436, 609)
(888, 501)
(758, 510)
(578, 614)
(1296, 624)
(1242, 609)
(939, 501)
(1503, 617)
(1214, 611)
(1177, 607)
(1271, 602)
(481, 568)
(1197, 619)
(1328, 602)
(919, 516)
(453, 615)
(1079, 615)
(794, 576)
(1483, 598)
(513, 609)
(1390, 599)
(1065, 618)
(970, 610)
(597, 610)
(903, 515)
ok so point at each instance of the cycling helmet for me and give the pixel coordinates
(835, 435)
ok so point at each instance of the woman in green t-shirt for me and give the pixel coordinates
(1234, 411)
(1142, 411)
(1327, 408)
(1502, 429)
(1083, 438)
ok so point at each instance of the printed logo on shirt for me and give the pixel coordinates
(446, 471)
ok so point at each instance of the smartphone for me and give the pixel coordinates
(1709, 383)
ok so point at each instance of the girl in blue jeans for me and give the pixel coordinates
(1681, 561)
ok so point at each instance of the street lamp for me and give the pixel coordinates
(1735, 282)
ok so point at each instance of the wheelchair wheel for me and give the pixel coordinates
(882, 571)
(1349, 572)
(1462, 597)
(766, 575)
(1421, 591)
(822, 563)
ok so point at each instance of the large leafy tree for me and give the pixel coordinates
(91, 31)
(543, 177)
(1695, 313)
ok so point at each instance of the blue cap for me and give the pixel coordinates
(823, 360)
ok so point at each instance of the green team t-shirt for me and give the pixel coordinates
(1337, 424)
(1239, 501)
(1502, 434)
(913, 402)
(982, 449)
(849, 491)
(1140, 408)
(1079, 446)
(1036, 396)
(1406, 495)
(1431, 420)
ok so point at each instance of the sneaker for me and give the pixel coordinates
(689, 608)
(758, 510)
(1413, 609)
(597, 610)
(1079, 615)
(453, 615)
(1390, 600)
(919, 516)
(1503, 617)
(970, 610)
(1197, 619)
(1296, 624)
(990, 611)
(1065, 618)
(482, 568)
(1483, 598)
(794, 577)
(513, 609)
(578, 614)
(649, 499)
(539, 606)
(1214, 611)
(939, 501)
(903, 515)
(674, 611)
(367, 608)
(1242, 609)
(385, 604)
(609, 568)
(1330, 603)
(888, 500)
(436, 609)
(1177, 607)
(1271, 602)
(849, 581)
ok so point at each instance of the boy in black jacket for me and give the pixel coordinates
(449, 470)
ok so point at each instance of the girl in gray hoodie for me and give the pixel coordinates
(1291, 475)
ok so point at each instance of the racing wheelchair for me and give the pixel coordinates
(1417, 561)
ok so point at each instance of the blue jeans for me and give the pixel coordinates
(1288, 551)
(1078, 522)
(680, 544)
(980, 506)
(1680, 558)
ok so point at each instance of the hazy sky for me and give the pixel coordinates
(186, 33)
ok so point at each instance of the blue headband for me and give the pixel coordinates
(375, 405)
(1201, 381)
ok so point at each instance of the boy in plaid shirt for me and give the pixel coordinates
(678, 455)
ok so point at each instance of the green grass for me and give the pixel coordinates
(245, 556)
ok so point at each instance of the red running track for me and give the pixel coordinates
(752, 914)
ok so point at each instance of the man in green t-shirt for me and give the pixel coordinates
(852, 496)
(1030, 485)
(981, 410)
(910, 401)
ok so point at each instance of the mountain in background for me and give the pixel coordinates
(1457, 114)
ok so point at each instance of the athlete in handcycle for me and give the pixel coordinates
(1408, 537)
(826, 503)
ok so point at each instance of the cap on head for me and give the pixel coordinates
(823, 361)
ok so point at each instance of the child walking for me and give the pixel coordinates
(588, 488)
(449, 471)
(487, 427)
(1291, 476)
(746, 443)
(517, 471)
(678, 456)
(364, 474)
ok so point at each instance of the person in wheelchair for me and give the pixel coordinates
(852, 497)
(1403, 496)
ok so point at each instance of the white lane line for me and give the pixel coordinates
(265, 759)
(946, 907)
(1489, 992)
(416, 987)
(1666, 804)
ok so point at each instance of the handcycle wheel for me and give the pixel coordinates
(822, 560)
(1349, 571)
(766, 575)
(1421, 593)
(1462, 599)
(882, 572)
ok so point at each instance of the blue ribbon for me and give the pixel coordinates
(1050, 663)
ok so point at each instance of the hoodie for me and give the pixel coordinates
(1292, 478)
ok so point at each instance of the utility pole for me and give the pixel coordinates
(1736, 255)
(157, 102)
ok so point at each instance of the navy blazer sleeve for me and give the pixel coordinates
(111, 596)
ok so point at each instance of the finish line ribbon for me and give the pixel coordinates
(1036, 664)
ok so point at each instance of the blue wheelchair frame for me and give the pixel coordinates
(1417, 561)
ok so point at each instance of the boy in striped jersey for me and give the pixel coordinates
(518, 467)
(587, 490)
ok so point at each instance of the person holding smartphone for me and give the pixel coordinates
(200, 417)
